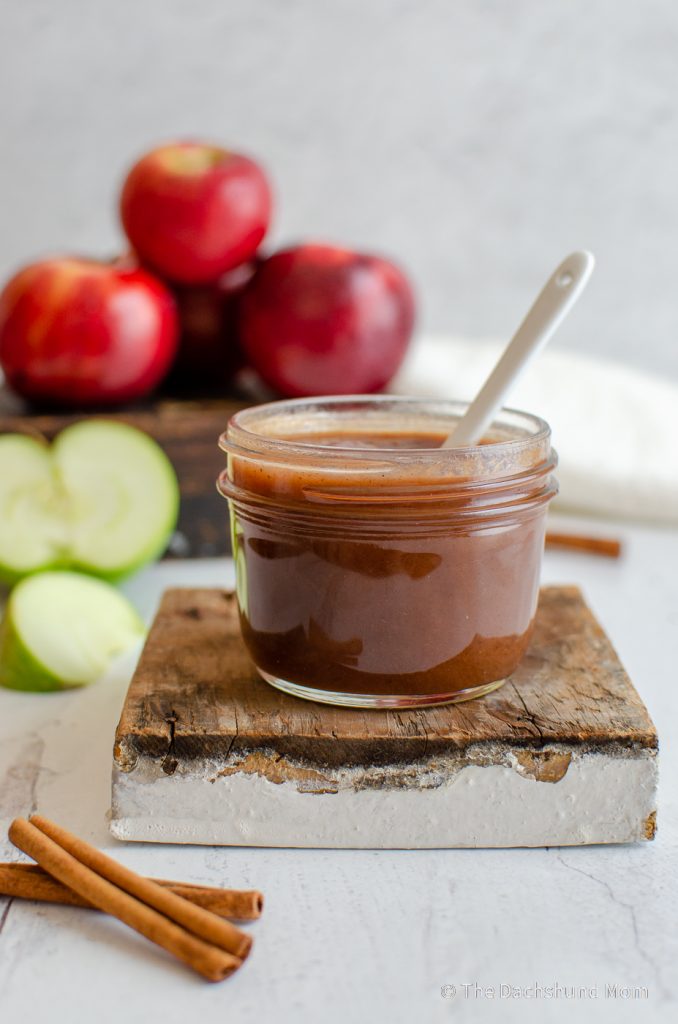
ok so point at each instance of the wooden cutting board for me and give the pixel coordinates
(205, 752)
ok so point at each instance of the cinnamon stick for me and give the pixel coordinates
(609, 547)
(199, 921)
(210, 961)
(30, 882)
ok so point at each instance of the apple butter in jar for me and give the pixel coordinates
(374, 567)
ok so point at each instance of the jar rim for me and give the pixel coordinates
(239, 435)
(489, 479)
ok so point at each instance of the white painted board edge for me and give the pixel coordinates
(602, 798)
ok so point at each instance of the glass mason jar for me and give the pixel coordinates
(374, 568)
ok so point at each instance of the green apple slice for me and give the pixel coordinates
(103, 499)
(123, 496)
(33, 531)
(62, 629)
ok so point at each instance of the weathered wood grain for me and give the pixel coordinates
(188, 432)
(196, 694)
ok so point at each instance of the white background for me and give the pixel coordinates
(477, 140)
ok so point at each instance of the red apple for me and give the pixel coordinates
(76, 332)
(193, 211)
(209, 353)
(317, 319)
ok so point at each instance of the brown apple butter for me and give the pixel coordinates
(375, 568)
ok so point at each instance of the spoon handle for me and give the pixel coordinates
(549, 309)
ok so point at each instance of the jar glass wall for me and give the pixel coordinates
(374, 568)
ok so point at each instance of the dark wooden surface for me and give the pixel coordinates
(188, 432)
(195, 693)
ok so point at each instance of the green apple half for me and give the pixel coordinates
(62, 629)
(103, 499)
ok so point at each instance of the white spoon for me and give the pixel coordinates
(550, 308)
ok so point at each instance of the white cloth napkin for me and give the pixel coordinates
(615, 428)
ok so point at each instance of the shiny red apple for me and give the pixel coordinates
(209, 353)
(193, 211)
(76, 332)
(317, 319)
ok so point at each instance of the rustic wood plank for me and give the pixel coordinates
(188, 432)
(195, 694)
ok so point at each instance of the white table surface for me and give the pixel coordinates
(361, 935)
